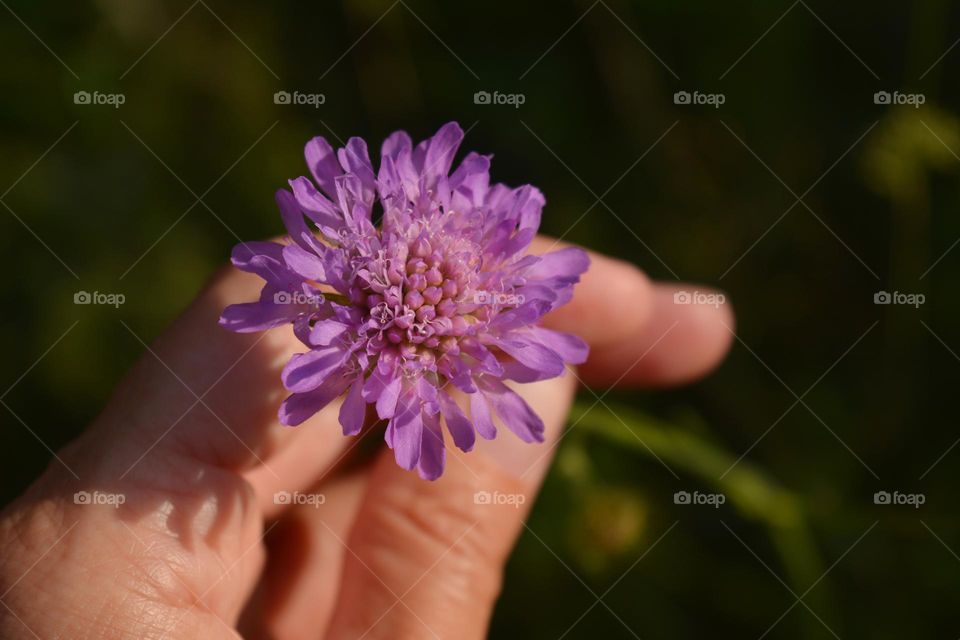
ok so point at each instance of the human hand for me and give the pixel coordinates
(188, 539)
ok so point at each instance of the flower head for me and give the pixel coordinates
(440, 296)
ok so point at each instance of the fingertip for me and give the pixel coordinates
(688, 334)
(706, 330)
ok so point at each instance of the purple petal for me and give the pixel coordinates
(486, 360)
(498, 201)
(566, 264)
(433, 451)
(568, 346)
(353, 410)
(427, 392)
(293, 220)
(514, 411)
(356, 160)
(387, 402)
(439, 153)
(511, 245)
(324, 332)
(353, 200)
(458, 424)
(323, 164)
(300, 406)
(257, 257)
(531, 354)
(248, 317)
(408, 174)
(527, 313)
(520, 373)
(457, 372)
(396, 143)
(480, 413)
(305, 263)
(389, 183)
(529, 206)
(470, 181)
(307, 371)
(405, 431)
(383, 387)
(317, 207)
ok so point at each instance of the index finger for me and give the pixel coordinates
(639, 334)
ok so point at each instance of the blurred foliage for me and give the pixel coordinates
(714, 200)
(907, 148)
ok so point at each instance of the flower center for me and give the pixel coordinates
(419, 297)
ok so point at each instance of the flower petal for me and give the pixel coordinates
(470, 182)
(353, 410)
(405, 431)
(252, 256)
(566, 264)
(383, 387)
(305, 263)
(458, 424)
(324, 332)
(353, 201)
(531, 354)
(396, 143)
(520, 373)
(514, 411)
(434, 157)
(301, 406)
(317, 207)
(433, 451)
(568, 346)
(355, 160)
(480, 413)
(387, 402)
(307, 371)
(248, 317)
(323, 164)
(293, 220)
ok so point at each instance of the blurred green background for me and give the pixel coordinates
(104, 199)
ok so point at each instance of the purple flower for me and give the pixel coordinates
(440, 296)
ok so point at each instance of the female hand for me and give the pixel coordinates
(187, 511)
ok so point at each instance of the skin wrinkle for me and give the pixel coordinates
(432, 522)
(91, 549)
(88, 550)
